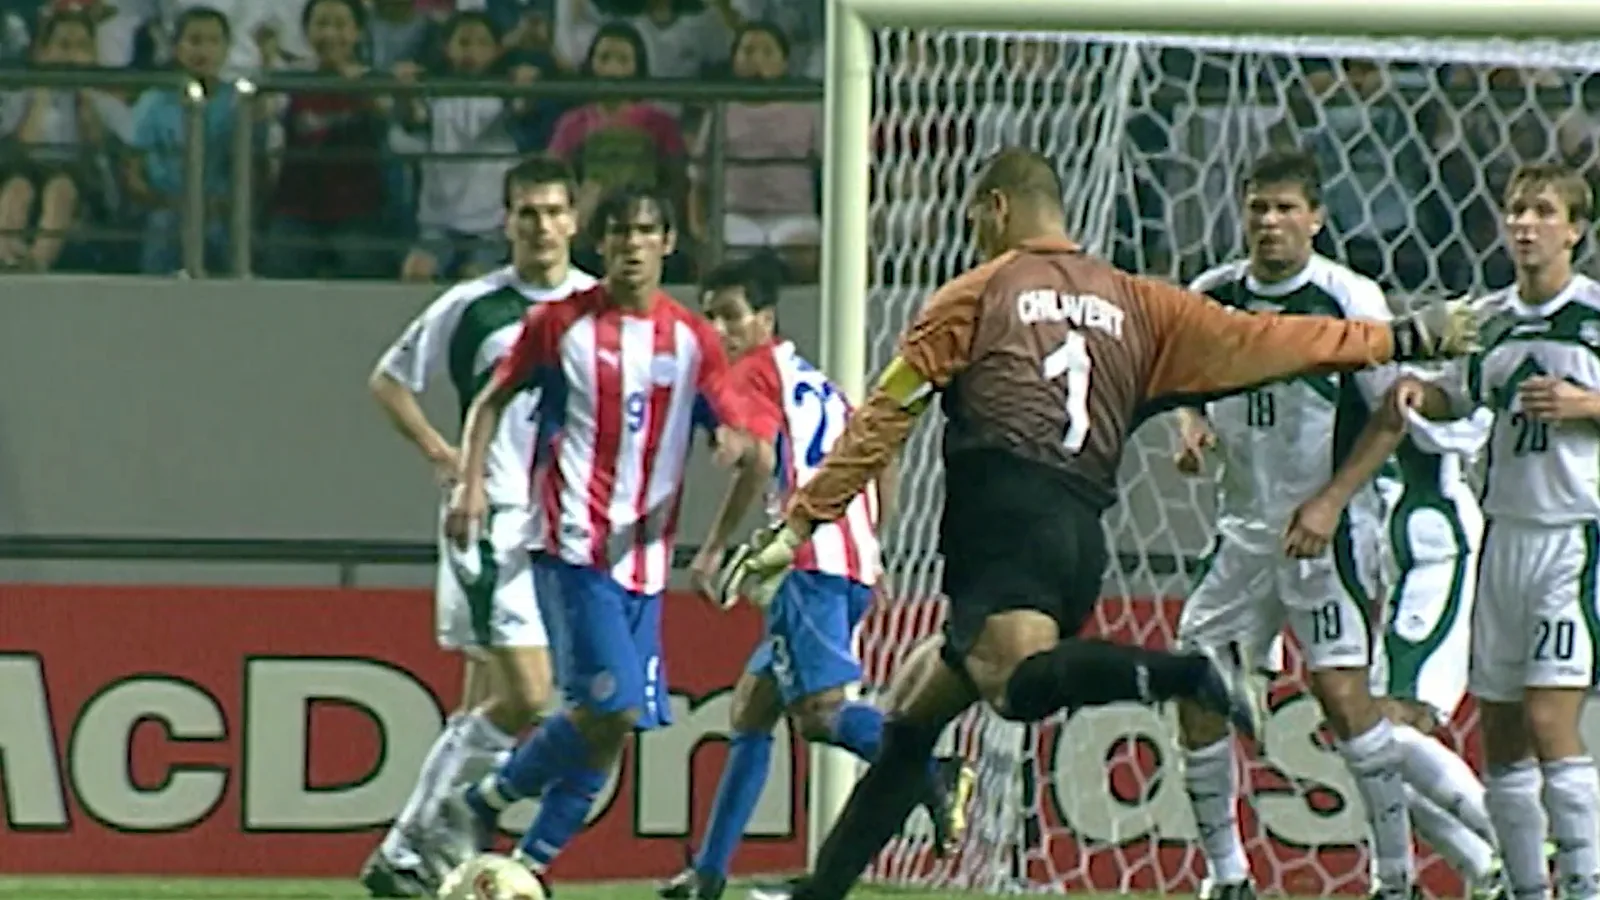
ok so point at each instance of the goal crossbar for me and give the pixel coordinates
(848, 113)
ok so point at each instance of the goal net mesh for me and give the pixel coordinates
(1416, 139)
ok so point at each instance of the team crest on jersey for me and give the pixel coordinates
(663, 370)
(1589, 333)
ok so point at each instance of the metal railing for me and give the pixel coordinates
(713, 94)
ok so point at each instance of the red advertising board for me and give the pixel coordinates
(257, 731)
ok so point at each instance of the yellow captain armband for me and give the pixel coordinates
(906, 386)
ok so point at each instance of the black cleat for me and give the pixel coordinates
(692, 885)
(1238, 890)
(1227, 689)
(383, 878)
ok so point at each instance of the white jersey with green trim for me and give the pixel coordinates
(1545, 473)
(1281, 442)
(464, 333)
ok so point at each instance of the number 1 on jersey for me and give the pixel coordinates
(1072, 360)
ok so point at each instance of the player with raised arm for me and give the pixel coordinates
(623, 370)
(485, 597)
(1278, 444)
(1536, 629)
(1046, 359)
(805, 660)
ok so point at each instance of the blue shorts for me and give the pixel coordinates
(605, 642)
(810, 622)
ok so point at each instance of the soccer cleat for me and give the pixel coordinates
(1400, 892)
(383, 878)
(950, 786)
(786, 890)
(1237, 890)
(1229, 690)
(692, 885)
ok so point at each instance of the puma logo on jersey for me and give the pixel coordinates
(608, 358)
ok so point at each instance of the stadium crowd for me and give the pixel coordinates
(367, 184)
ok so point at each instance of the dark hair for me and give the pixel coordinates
(622, 31)
(1022, 174)
(1288, 165)
(201, 14)
(622, 203)
(761, 26)
(459, 20)
(358, 12)
(53, 22)
(537, 170)
(758, 277)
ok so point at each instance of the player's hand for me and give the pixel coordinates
(1554, 399)
(1195, 437)
(469, 506)
(1440, 330)
(1311, 528)
(703, 572)
(758, 567)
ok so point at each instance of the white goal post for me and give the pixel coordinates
(849, 150)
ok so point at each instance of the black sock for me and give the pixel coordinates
(893, 786)
(1078, 672)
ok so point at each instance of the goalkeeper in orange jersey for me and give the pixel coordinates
(1046, 359)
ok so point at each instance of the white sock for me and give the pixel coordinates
(487, 748)
(1572, 801)
(1373, 757)
(1520, 827)
(1211, 781)
(1470, 855)
(1444, 778)
(439, 766)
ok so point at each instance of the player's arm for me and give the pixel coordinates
(1205, 349)
(888, 485)
(402, 373)
(933, 350)
(533, 349)
(753, 470)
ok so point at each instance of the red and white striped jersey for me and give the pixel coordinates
(621, 398)
(795, 407)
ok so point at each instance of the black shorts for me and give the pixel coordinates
(1015, 535)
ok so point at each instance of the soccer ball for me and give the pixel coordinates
(490, 876)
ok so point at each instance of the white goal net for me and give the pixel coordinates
(1152, 135)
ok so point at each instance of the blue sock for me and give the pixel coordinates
(858, 727)
(743, 777)
(556, 748)
(565, 805)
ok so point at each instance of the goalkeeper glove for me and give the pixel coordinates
(1440, 330)
(761, 562)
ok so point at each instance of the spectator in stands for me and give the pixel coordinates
(155, 173)
(268, 34)
(801, 20)
(328, 205)
(461, 209)
(683, 37)
(772, 152)
(398, 33)
(619, 142)
(56, 147)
